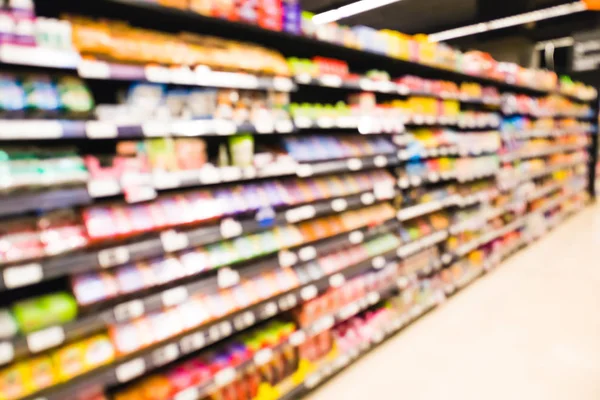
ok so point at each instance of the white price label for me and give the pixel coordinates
(302, 122)
(339, 205)
(227, 277)
(249, 318)
(349, 311)
(214, 334)
(313, 380)
(7, 352)
(225, 376)
(384, 190)
(265, 125)
(287, 302)
(155, 129)
(165, 354)
(367, 85)
(193, 342)
(367, 199)
(378, 336)
(415, 180)
(231, 228)
(130, 310)
(188, 394)
(354, 164)
(225, 328)
(101, 130)
(130, 370)
(309, 292)
(304, 170)
(331, 80)
(114, 256)
(356, 237)
(323, 324)
(230, 174)
(380, 161)
(325, 122)
(284, 126)
(307, 253)
(174, 241)
(156, 73)
(378, 262)
(263, 356)
(174, 296)
(373, 298)
(337, 280)
(182, 76)
(283, 84)
(103, 187)
(225, 128)
(297, 338)
(269, 310)
(300, 213)
(304, 78)
(93, 69)
(287, 258)
(22, 275)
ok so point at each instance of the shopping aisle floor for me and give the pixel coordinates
(529, 330)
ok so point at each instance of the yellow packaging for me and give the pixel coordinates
(427, 49)
(98, 351)
(42, 373)
(69, 361)
(14, 382)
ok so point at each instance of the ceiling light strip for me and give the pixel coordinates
(520, 19)
(349, 10)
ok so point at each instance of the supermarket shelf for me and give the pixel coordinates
(329, 369)
(208, 175)
(132, 309)
(466, 248)
(212, 284)
(408, 213)
(284, 39)
(413, 154)
(170, 241)
(32, 129)
(415, 246)
(38, 57)
(511, 113)
(350, 164)
(545, 191)
(156, 356)
(551, 150)
(181, 75)
(557, 202)
(43, 201)
(366, 125)
(550, 170)
(478, 221)
(385, 86)
(545, 133)
(37, 342)
(226, 376)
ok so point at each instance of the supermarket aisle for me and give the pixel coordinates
(530, 330)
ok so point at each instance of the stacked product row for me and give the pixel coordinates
(121, 42)
(177, 247)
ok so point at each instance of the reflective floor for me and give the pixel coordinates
(529, 330)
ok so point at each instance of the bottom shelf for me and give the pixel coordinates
(336, 363)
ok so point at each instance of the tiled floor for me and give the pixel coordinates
(529, 330)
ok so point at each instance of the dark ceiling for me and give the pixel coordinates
(429, 16)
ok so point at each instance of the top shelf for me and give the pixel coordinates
(141, 12)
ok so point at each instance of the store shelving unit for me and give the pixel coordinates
(449, 202)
